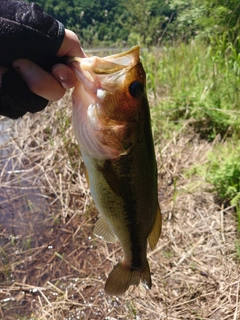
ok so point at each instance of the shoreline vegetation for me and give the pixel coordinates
(51, 264)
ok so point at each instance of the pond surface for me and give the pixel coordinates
(19, 188)
(40, 252)
(27, 227)
(22, 211)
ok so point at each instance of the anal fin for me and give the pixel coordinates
(156, 230)
(103, 231)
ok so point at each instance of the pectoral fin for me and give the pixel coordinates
(103, 231)
(156, 230)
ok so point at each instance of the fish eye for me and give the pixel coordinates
(136, 88)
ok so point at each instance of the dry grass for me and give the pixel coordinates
(52, 266)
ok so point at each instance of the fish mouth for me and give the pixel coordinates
(103, 73)
(124, 59)
(103, 128)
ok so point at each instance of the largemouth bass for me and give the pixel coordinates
(111, 121)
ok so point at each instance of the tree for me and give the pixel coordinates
(207, 18)
(145, 20)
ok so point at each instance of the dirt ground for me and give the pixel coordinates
(53, 267)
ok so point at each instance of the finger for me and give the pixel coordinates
(38, 80)
(64, 75)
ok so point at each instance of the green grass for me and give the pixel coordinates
(223, 171)
(198, 83)
(237, 245)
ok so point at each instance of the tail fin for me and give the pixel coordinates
(121, 278)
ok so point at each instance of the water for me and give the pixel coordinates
(36, 246)
(23, 229)
(19, 190)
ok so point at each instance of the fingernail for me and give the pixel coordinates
(61, 73)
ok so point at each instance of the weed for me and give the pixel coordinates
(168, 254)
(196, 82)
(64, 124)
(224, 171)
(5, 267)
(132, 310)
(28, 243)
(237, 246)
(238, 216)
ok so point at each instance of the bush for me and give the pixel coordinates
(224, 172)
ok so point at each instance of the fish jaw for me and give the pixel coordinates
(105, 115)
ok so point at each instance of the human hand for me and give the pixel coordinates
(51, 86)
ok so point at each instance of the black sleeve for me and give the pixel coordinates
(25, 32)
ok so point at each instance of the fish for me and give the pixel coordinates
(112, 124)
